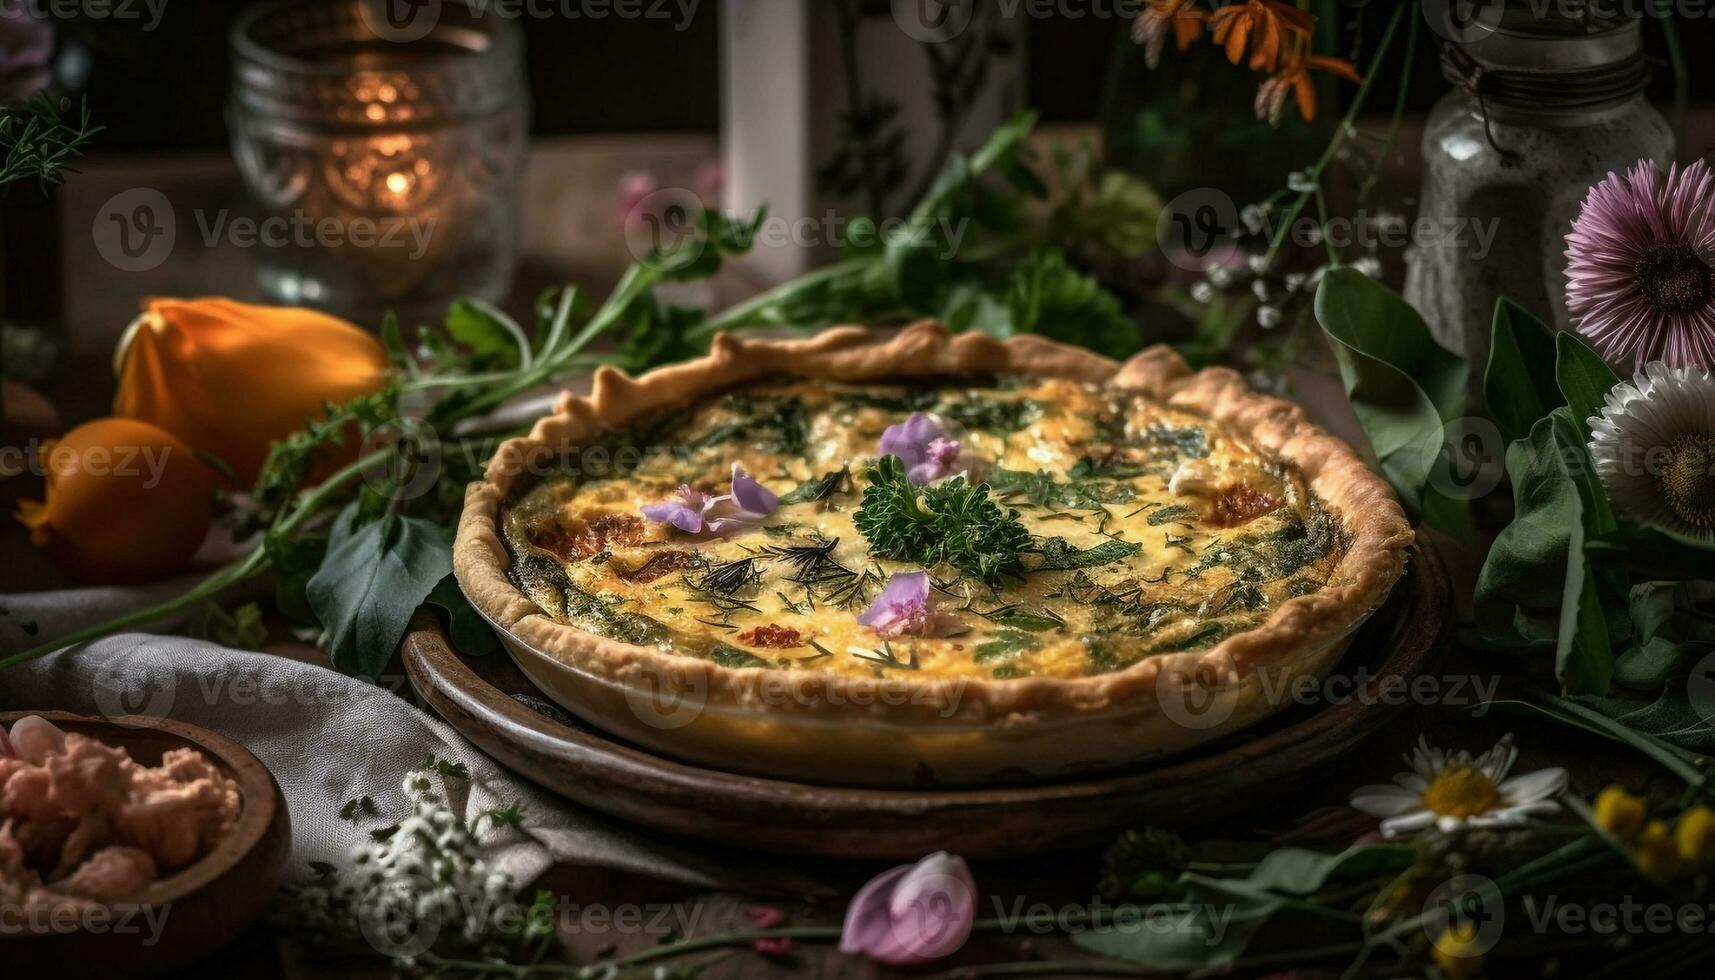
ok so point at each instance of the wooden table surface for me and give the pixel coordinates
(569, 235)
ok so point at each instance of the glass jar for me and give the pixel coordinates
(385, 159)
(1545, 108)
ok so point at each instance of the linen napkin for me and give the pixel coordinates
(329, 739)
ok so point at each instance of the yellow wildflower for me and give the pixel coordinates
(1695, 834)
(1459, 951)
(1619, 812)
(1655, 853)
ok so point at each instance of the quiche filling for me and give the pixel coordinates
(1024, 529)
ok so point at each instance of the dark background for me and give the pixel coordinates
(167, 88)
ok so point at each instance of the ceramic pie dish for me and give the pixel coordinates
(925, 558)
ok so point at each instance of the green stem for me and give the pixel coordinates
(1398, 112)
(741, 313)
(208, 588)
(251, 565)
(1314, 174)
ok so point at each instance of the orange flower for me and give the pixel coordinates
(1261, 25)
(230, 378)
(1295, 79)
(1150, 28)
(126, 502)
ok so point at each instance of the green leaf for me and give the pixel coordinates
(1301, 872)
(1584, 378)
(1058, 554)
(471, 634)
(1196, 941)
(1532, 590)
(1655, 553)
(1183, 936)
(1648, 667)
(1606, 721)
(1384, 351)
(491, 336)
(1519, 384)
(1046, 295)
(373, 578)
(1583, 660)
(1671, 717)
(1026, 618)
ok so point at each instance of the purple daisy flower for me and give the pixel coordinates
(1639, 283)
(903, 608)
(923, 445)
(695, 512)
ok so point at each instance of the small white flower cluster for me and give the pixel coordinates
(420, 884)
(1271, 295)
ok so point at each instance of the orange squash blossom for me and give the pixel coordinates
(230, 378)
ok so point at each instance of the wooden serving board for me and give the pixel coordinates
(492, 704)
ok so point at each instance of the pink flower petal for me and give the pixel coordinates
(913, 914)
(923, 446)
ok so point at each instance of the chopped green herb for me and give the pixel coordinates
(992, 414)
(727, 655)
(955, 522)
(1030, 618)
(1174, 514)
(1058, 554)
(1005, 645)
(821, 489)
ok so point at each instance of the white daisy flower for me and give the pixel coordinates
(1654, 448)
(1451, 791)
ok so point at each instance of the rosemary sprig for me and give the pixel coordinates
(37, 141)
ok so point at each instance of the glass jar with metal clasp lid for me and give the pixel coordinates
(1545, 106)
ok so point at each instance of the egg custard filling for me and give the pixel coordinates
(1022, 528)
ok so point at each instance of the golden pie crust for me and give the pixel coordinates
(901, 729)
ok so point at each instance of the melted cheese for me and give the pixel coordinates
(1211, 534)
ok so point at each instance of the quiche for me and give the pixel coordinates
(926, 559)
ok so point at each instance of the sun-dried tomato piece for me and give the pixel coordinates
(1240, 504)
(771, 637)
(659, 564)
(581, 540)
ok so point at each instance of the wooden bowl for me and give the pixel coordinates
(180, 919)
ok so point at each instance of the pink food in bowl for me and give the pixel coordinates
(81, 821)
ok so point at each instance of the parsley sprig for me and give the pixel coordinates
(955, 523)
